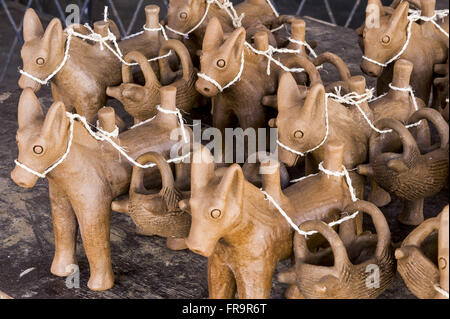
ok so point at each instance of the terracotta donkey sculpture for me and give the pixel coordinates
(426, 46)
(191, 18)
(306, 126)
(236, 78)
(425, 272)
(141, 101)
(345, 269)
(84, 174)
(243, 235)
(414, 174)
(81, 80)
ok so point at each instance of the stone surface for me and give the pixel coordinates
(143, 267)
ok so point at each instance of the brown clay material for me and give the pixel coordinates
(301, 124)
(428, 46)
(156, 212)
(397, 105)
(243, 235)
(221, 60)
(418, 269)
(342, 68)
(79, 84)
(341, 271)
(141, 101)
(83, 186)
(184, 15)
(442, 87)
(412, 175)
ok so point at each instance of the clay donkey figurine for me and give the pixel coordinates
(84, 174)
(156, 212)
(236, 78)
(425, 272)
(77, 83)
(243, 235)
(413, 174)
(141, 101)
(426, 47)
(341, 271)
(191, 18)
(303, 127)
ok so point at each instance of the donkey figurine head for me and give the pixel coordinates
(42, 51)
(41, 140)
(382, 42)
(215, 203)
(221, 58)
(184, 15)
(300, 121)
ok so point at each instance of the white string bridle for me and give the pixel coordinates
(415, 16)
(343, 173)
(101, 135)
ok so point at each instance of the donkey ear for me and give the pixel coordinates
(32, 26)
(315, 102)
(53, 37)
(213, 36)
(399, 19)
(288, 94)
(202, 170)
(234, 45)
(29, 110)
(56, 122)
(373, 5)
(231, 186)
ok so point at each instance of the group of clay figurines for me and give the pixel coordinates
(256, 68)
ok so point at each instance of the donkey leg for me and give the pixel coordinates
(254, 281)
(221, 281)
(94, 220)
(65, 232)
(412, 213)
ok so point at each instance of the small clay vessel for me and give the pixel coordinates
(343, 270)
(243, 235)
(88, 178)
(427, 46)
(141, 101)
(397, 105)
(420, 267)
(412, 175)
(156, 212)
(302, 125)
(342, 68)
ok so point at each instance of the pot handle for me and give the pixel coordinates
(381, 225)
(336, 244)
(437, 120)
(141, 60)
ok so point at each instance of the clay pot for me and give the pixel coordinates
(342, 68)
(420, 271)
(428, 46)
(352, 263)
(156, 212)
(442, 85)
(141, 101)
(411, 175)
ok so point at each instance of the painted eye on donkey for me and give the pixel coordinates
(183, 15)
(38, 149)
(40, 61)
(386, 39)
(299, 134)
(216, 213)
(221, 63)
